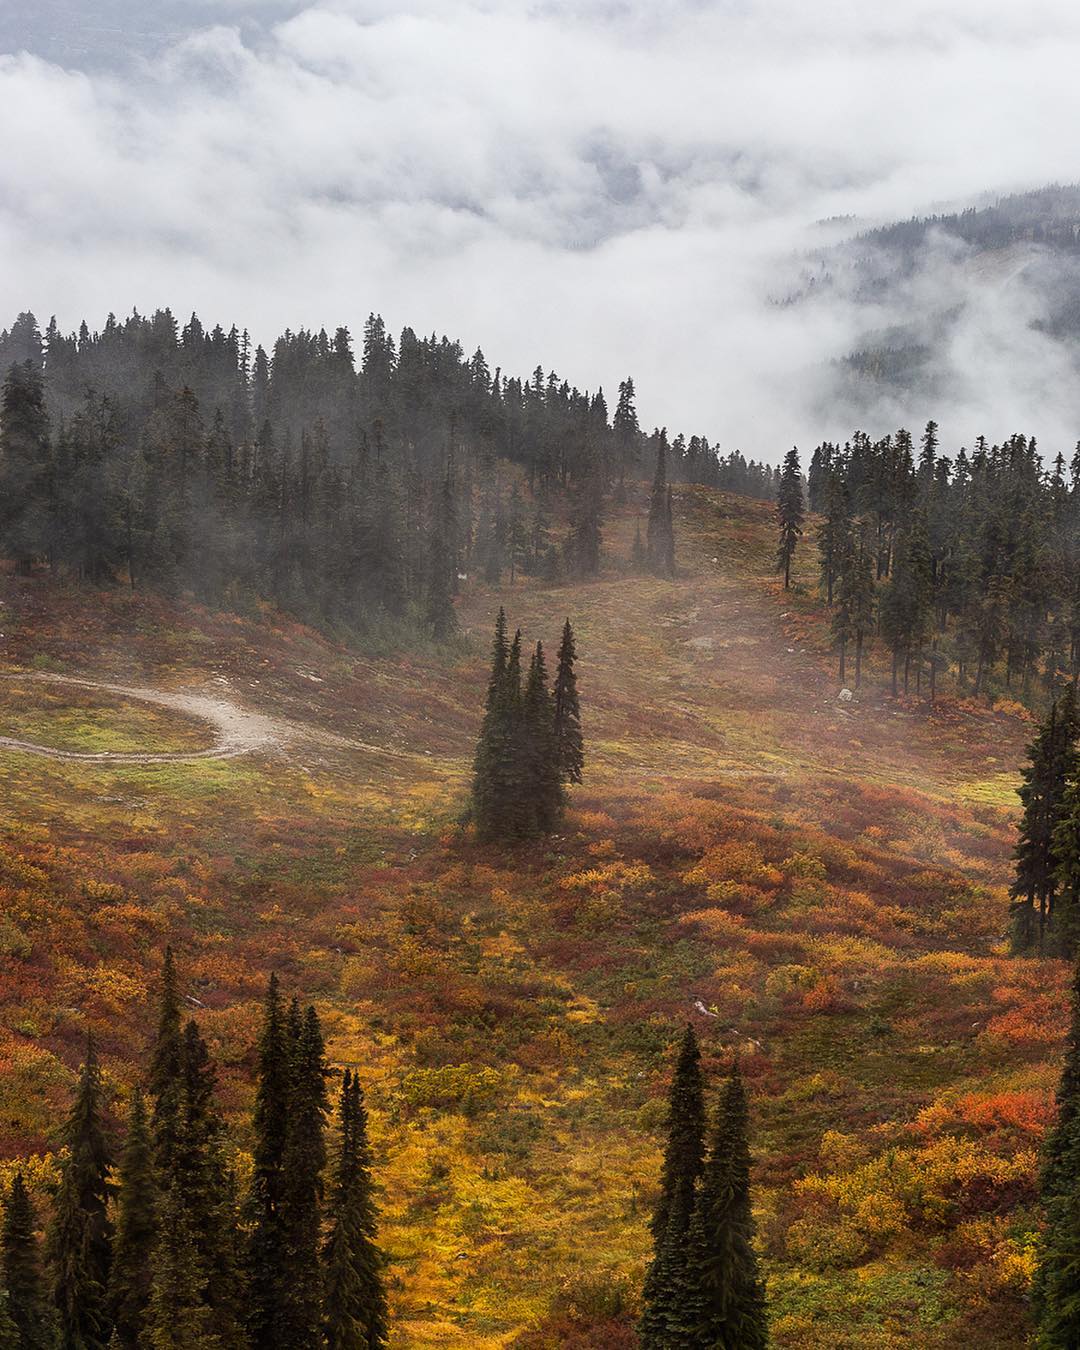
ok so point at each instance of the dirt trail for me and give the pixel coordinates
(238, 730)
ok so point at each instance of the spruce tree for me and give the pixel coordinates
(569, 744)
(1052, 765)
(166, 1070)
(267, 1259)
(683, 1159)
(80, 1234)
(26, 1303)
(25, 473)
(355, 1298)
(303, 1162)
(543, 791)
(789, 506)
(724, 1296)
(659, 534)
(498, 777)
(129, 1285)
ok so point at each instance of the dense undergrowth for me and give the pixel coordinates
(828, 880)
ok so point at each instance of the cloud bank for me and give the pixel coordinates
(607, 188)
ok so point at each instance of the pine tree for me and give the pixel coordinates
(495, 781)
(80, 1234)
(583, 544)
(569, 743)
(1055, 1293)
(303, 1161)
(683, 1159)
(166, 1071)
(26, 1303)
(355, 1299)
(544, 803)
(659, 534)
(721, 1271)
(267, 1260)
(1052, 765)
(789, 505)
(129, 1286)
(25, 475)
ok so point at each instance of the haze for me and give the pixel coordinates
(605, 188)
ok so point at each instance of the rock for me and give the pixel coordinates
(846, 695)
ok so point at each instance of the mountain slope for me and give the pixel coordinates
(827, 878)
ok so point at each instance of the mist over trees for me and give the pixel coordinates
(969, 563)
(351, 489)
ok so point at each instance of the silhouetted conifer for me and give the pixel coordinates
(80, 1234)
(20, 1262)
(303, 1162)
(683, 1160)
(789, 507)
(267, 1258)
(569, 743)
(723, 1304)
(355, 1299)
(133, 1244)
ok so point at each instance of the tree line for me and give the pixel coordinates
(158, 1245)
(969, 564)
(353, 491)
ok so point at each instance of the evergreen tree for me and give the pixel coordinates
(129, 1286)
(26, 1303)
(683, 1160)
(303, 1161)
(1056, 1296)
(659, 534)
(495, 770)
(1052, 764)
(166, 1071)
(25, 473)
(80, 1234)
(569, 743)
(267, 1258)
(543, 807)
(355, 1300)
(723, 1295)
(789, 505)
(583, 543)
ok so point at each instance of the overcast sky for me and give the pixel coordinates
(603, 188)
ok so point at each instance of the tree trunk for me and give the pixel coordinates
(843, 652)
(858, 659)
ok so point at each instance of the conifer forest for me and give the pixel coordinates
(556, 828)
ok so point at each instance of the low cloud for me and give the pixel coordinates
(602, 187)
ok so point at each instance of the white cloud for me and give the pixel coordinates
(602, 187)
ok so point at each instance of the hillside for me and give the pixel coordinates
(827, 878)
(959, 314)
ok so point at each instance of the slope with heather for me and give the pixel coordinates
(826, 878)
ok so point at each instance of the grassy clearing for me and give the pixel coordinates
(65, 717)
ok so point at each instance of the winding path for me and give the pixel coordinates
(239, 732)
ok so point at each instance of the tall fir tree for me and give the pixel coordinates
(789, 508)
(80, 1234)
(20, 1262)
(1052, 764)
(26, 486)
(659, 533)
(303, 1162)
(723, 1293)
(133, 1243)
(355, 1295)
(267, 1257)
(569, 743)
(543, 790)
(683, 1160)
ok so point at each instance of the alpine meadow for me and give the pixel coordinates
(566, 856)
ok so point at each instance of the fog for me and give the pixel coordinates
(603, 188)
